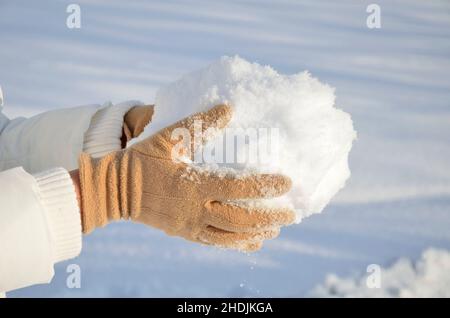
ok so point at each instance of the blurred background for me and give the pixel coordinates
(393, 80)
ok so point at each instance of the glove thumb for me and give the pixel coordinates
(135, 121)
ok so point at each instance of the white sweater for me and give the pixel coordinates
(39, 214)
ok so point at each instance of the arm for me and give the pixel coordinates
(39, 213)
(39, 225)
(56, 138)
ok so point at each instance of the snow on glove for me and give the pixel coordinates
(144, 184)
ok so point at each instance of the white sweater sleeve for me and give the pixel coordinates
(39, 215)
(105, 129)
(56, 138)
(39, 225)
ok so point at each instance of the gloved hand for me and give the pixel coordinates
(144, 184)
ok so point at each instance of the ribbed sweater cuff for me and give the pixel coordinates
(105, 131)
(57, 195)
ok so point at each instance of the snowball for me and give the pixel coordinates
(290, 123)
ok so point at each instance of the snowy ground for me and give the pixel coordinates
(394, 81)
(428, 277)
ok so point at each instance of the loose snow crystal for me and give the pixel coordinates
(289, 121)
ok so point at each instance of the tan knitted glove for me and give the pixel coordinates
(144, 184)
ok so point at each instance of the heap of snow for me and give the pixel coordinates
(307, 138)
(428, 277)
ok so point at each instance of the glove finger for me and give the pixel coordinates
(240, 241)
(200, 127)
(136, 119)
(255, 186)
(240, 218)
